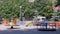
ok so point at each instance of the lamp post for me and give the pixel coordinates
(20, 13)
(31, 1)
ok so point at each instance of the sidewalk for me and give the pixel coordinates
(2, 27)
(22, 27)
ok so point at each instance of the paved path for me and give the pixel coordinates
(2, 27)
(25, 30)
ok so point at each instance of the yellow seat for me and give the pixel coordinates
(27, 23)
(11, 23)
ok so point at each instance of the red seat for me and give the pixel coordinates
(51, 23)
(57, 23)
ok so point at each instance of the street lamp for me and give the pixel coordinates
(31, 0)
(20, 13)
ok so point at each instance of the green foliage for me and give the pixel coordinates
(44, 7)
(11, 8)
(58, 2)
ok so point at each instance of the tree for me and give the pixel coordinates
(11, 8)
(58, 2)
(44, 7)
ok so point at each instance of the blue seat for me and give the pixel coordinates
(43, 23)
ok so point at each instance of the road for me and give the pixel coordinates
(27, 30)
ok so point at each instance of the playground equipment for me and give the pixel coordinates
(38, 19)
(47, 26)
(27, 23)
(4, 21)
